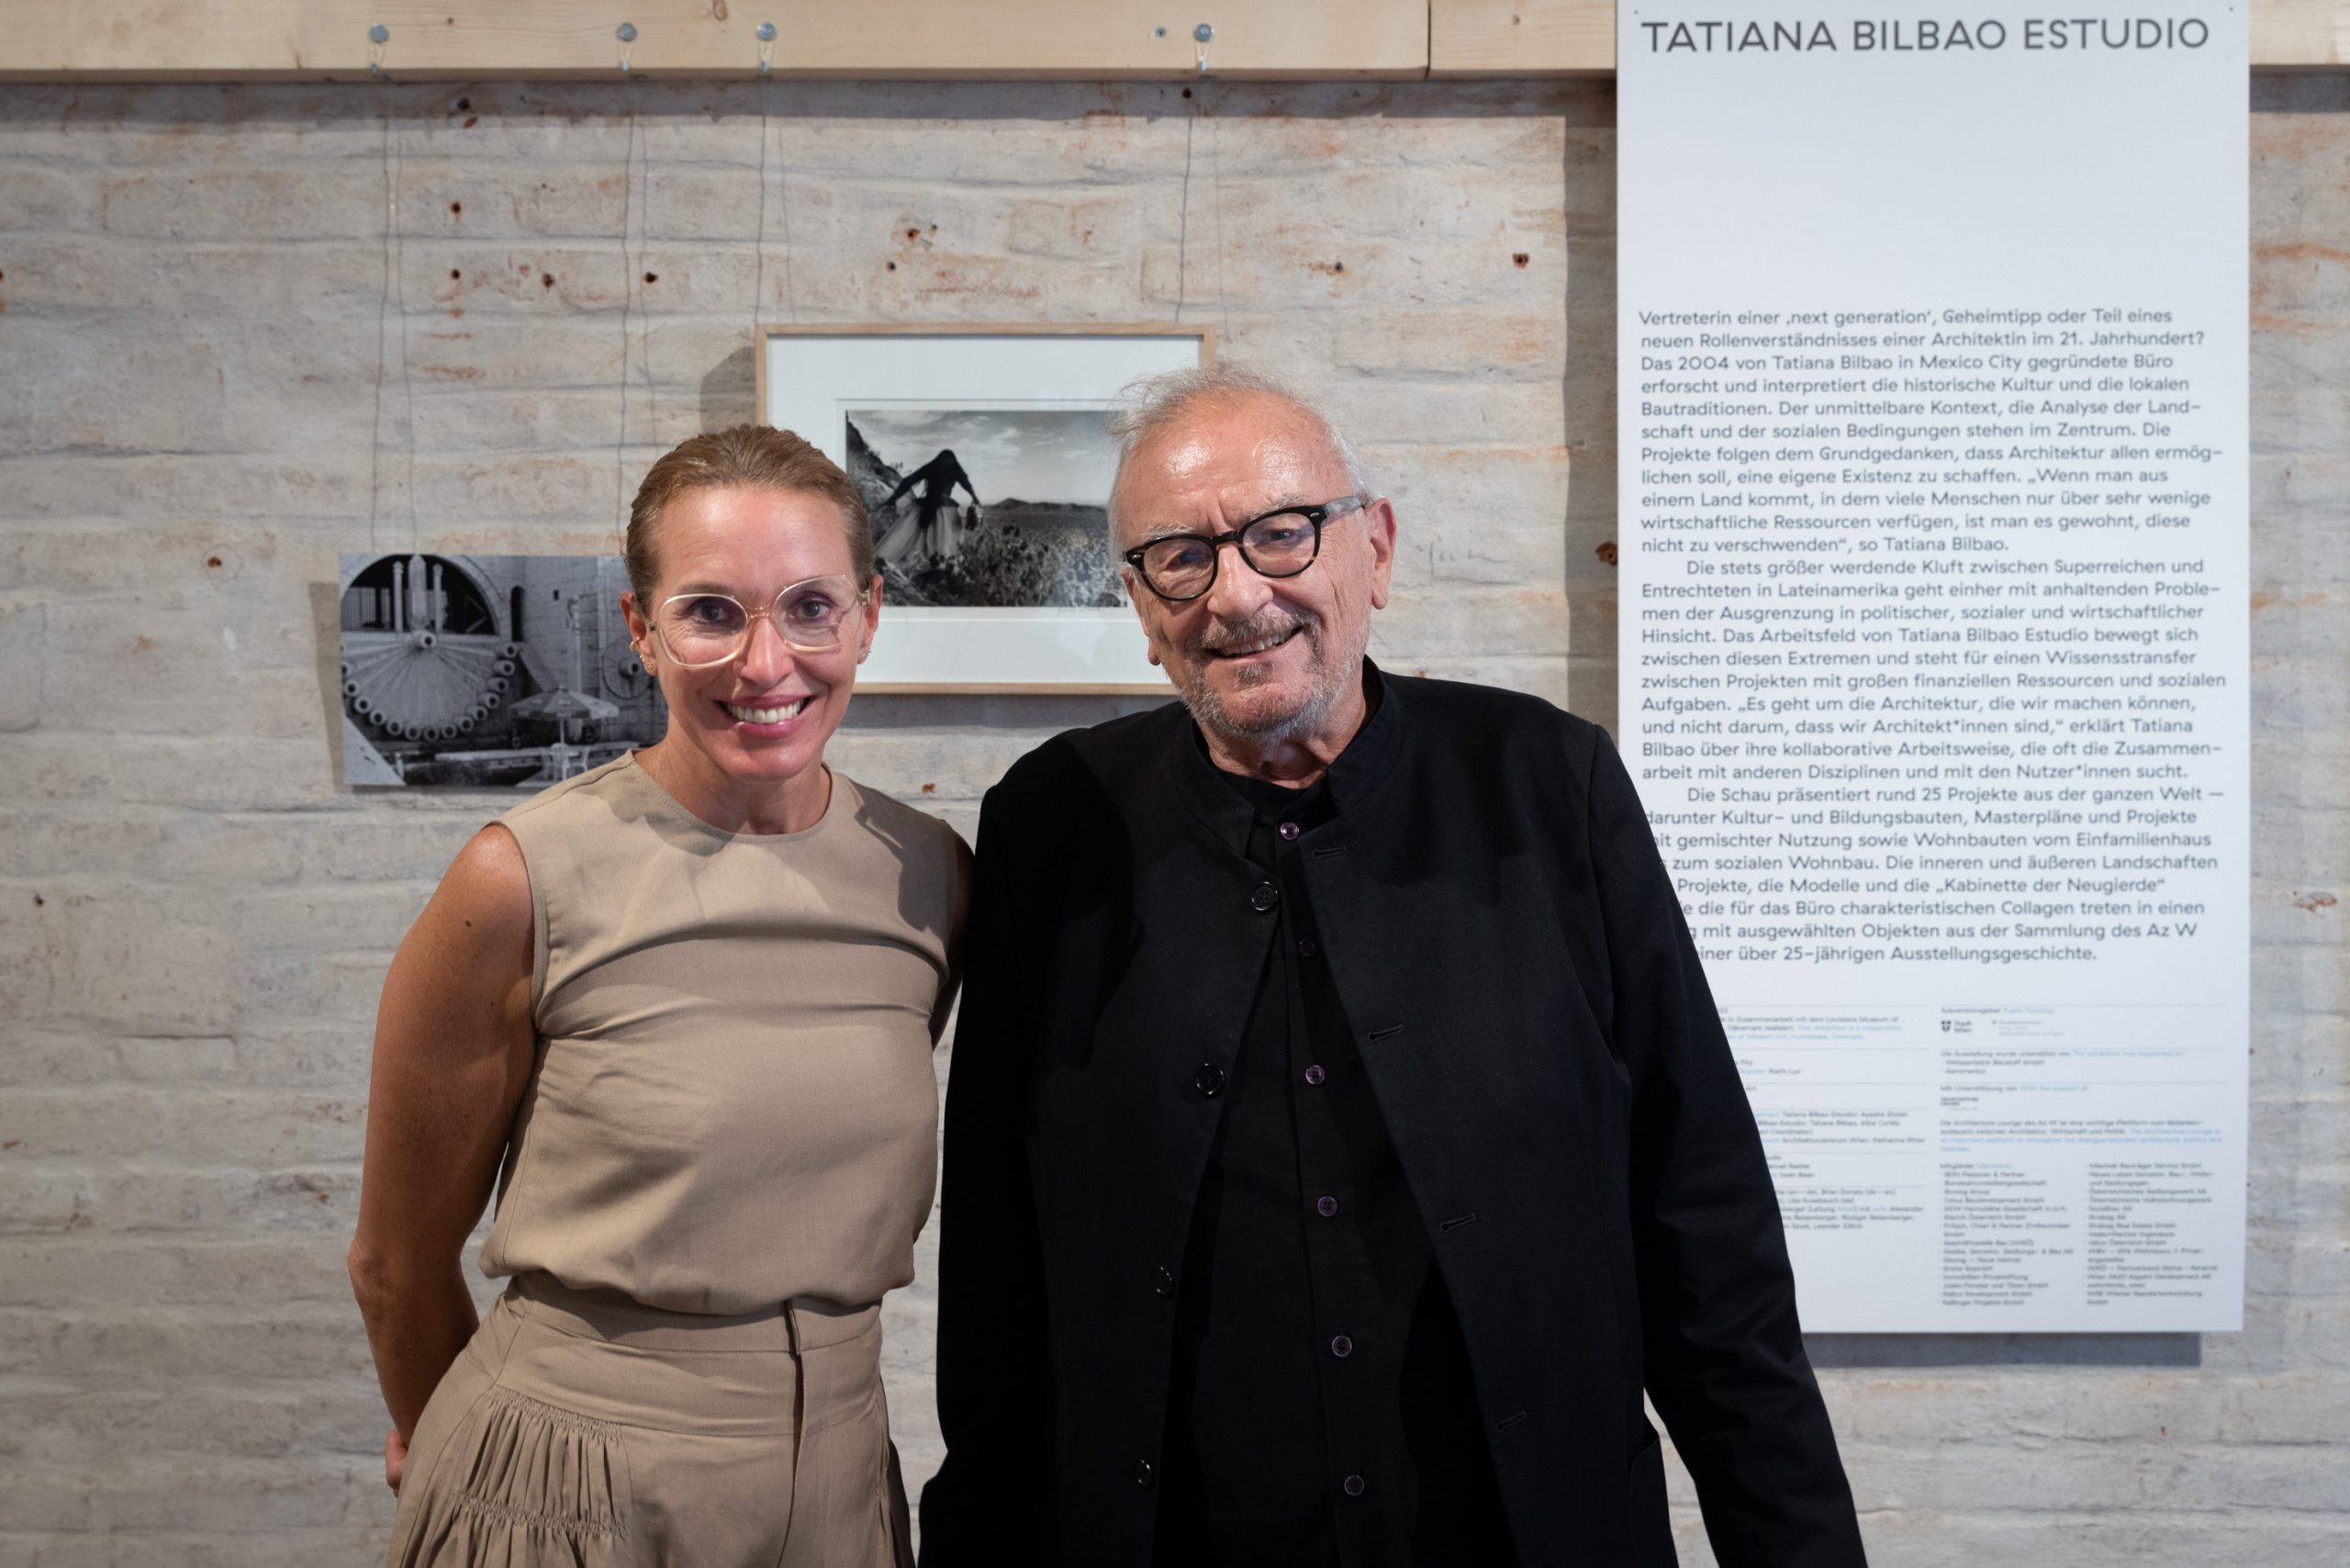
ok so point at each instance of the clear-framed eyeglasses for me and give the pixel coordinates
(1278, 544)
(705, 629)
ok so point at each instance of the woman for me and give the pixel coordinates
(681, 1007)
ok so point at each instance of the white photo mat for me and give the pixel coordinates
(810, 377)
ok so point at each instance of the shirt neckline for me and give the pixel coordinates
(1349, 779)
(677, 809)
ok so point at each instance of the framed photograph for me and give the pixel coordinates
(983, 456)
(488, 671)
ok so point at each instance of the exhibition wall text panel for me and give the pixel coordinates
(1934, 365)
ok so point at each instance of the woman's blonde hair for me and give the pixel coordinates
(749, 457)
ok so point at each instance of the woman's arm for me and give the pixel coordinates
(453, 1049)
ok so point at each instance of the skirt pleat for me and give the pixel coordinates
(522, 1484)
(574, 1432)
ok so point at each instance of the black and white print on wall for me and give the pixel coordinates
(488, 671)
(994, 507)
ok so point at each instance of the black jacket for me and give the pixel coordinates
(1515, 967)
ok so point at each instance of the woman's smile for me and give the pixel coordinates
(767, 715)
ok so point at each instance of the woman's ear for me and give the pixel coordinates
(640, 631)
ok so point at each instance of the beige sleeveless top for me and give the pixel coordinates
(734, 1103)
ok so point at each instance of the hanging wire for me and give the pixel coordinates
(759, 242)
(382, 337)
(628, 296)
(399, 286)
(783, 202)
(1183, 219)
(1215, 187)
(392, 305)
(640, 186)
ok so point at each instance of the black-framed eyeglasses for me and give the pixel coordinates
(1278, 544)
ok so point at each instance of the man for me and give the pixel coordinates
(1341, 1135)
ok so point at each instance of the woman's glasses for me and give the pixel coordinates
(705, 629)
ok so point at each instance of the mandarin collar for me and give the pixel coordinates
(1353, 774)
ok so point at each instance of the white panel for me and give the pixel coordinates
(1934, 607)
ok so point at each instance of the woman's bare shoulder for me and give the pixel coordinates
(481, 910)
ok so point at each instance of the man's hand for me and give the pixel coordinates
(395, 1459)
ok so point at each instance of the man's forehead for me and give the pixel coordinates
(1241, 456)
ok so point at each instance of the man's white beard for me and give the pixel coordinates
(1268, 729)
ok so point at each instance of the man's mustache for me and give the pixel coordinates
(1256, 629)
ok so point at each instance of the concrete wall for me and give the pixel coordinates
(220, 365)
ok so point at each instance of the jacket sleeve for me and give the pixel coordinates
(987, 1503)
(1725, 1361)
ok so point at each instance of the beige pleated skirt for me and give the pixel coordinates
(586, 1432)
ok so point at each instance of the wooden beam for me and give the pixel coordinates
(1521, 37)
(99, 40)
(482, 40)
(2300, 35)
(1577, 37)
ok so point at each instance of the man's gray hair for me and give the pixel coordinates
(1150, 404)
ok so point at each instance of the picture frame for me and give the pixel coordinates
(979, 451)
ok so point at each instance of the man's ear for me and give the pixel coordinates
(1379, 528)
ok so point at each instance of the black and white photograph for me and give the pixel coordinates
(989, 508)
(488, 671)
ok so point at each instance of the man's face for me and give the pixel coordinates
(1256, 659)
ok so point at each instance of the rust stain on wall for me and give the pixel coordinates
(2300, 250)
(2270, 598)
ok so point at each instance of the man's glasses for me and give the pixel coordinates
(1282, 544)
(705, 629)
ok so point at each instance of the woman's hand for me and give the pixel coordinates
(395, 1459)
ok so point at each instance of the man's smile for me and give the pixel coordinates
(1263, 644)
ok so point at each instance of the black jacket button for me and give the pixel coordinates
(1162, 1281)
(1264, 898)
(1143, 1473)
(1208, 1080)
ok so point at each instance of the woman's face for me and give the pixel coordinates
(763, 716)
